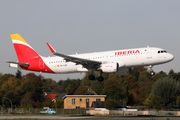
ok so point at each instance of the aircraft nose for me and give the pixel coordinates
(170, 57)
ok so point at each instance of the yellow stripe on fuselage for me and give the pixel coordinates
(18, 37)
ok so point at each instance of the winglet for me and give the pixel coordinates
(51, 48)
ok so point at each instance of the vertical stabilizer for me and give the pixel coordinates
(23, 50)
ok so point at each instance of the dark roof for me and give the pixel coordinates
(98, 104)
(121, 104)
(101, 104)
(83, 96)
(59, 96)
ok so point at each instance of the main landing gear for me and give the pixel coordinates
(151, 70)
(92, 77)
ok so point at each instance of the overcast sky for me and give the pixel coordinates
(89, 25)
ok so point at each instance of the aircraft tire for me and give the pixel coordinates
(91, 77)
(100, 79)
(152, 73)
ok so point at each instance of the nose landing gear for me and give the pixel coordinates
(151, 70)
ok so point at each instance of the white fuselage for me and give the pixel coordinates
(129, 57)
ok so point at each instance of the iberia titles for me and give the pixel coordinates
(127, 52)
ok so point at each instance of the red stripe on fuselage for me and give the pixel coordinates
(28, 55)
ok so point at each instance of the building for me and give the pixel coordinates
(98, 104)
(81, 101)
(54, 96)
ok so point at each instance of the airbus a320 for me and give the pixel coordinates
(117, 61)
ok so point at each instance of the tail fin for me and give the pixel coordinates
(23, 50)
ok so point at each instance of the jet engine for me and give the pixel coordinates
(109, 67)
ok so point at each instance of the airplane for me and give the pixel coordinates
(117, 61)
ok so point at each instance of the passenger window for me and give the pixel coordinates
(158, 51)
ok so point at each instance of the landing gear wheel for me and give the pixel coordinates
(91, 77)
(151, 70)
(100, 78)
(152, 73)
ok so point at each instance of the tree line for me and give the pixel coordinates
(160, 91)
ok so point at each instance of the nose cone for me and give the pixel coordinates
(170, 57)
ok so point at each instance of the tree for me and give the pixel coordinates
(18, 74)
(97, 86)
(111, 104)
(60, 82)
(81, 90)
(66, 83)
(112, 88)
(49, 85)
(178, 101)
(70, 88)
(154, 102)
(167, 89)
(130, 87)
(4, 78)
(33, 85)
(27, 101)
(59, 104)
(144, 76)
(171, 73)
(159, 75)
(18, 93)
(11, 84)
(136, 71)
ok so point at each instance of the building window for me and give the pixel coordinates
(73, 101)
(87, 100)
(80, 99)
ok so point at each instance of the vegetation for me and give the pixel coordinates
(160, 91)
(111, 104)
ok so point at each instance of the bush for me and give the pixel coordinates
(167, 90)
(110, 104)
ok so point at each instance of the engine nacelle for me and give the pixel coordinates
(124, 71)
(109, 67)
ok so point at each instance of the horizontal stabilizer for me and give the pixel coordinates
(23, 64)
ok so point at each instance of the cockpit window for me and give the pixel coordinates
(162, 51)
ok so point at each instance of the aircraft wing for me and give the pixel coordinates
(86, 63)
